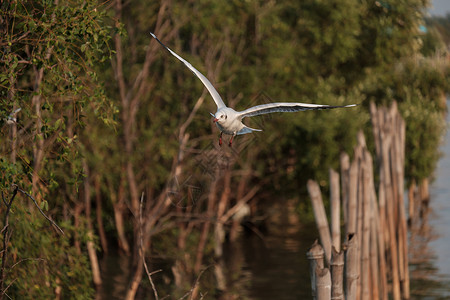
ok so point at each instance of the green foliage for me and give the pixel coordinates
(425, 125)
(41, 261)
(419, 85)
(48, 84)
(47, 73)
(438, 27)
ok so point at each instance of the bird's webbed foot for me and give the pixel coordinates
(230, 143)
(220, 139)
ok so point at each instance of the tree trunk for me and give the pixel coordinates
(98, 211)
(90, 244)
(119, 207)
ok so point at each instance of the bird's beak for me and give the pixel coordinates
(215, 119)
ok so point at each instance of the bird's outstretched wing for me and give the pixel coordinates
(284, 107)
(205, 81)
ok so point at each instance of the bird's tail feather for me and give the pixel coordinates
(247, 130)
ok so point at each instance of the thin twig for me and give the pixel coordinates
(141, 250)
(25, 259)
(40, 210)
(9, 285)
(191, 291)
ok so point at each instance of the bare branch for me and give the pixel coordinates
(40, 210)
(191, 291)
(141, 250)
(25, 259)
(240, 203)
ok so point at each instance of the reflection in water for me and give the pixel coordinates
(115, 275)
(278, 265)
(430, 240)
(426, 281)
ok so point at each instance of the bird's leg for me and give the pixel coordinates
(220, 139)
(231, 141)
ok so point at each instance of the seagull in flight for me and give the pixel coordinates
(228, 120)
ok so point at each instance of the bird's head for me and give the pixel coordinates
(220, 117)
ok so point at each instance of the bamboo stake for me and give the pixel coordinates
(315, 256)
(345, 169)
(323, 283)
(352, 204)
(335, 210)
(375, 265)
(359, 159)
(337, 274)
(365, 250)
(390, 214)
(376, 232)
(424, 192)
(401, 128)
(411, 202)
(377, 248)
(321, 217)
(375, 127)
(352, 271)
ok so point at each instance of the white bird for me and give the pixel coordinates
(12, 118)
(228, 120)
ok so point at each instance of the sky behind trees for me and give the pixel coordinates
(440, 8)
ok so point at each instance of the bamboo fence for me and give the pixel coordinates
(375, 248)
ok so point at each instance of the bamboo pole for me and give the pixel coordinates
(352, 271)
(315, 256)
(337, 274)
(424, 192)
(375, 264)
(376, 230)
(403, 226)
(352, 201)
(323, 283)
(365, 249)
(335, 210)
(390, 209)
(375, 127)
(320, 216)
(345, 169)
(412, 201)
(359, 160)
(377, 250)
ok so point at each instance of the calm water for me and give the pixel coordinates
(431, 271)
(277, 263)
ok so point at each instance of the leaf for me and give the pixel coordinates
(44, 205)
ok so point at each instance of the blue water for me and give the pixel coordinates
(430, 261)
(440, 221)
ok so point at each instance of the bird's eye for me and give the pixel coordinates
(226, 117)
(221, 116)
